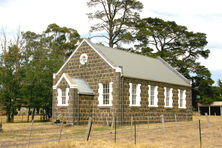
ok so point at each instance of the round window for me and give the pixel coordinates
(83, 58)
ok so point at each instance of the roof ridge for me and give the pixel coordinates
(123, 51)
(174, 70)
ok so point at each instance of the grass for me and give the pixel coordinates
(182, 134)
(96, 144)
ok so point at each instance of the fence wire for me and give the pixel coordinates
(174, 133)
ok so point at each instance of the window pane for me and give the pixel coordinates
(167, 96)
(63, 96)
(105, 93)
(134, 94)
(152, 95)
(181, 98)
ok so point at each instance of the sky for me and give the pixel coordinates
(197, 15)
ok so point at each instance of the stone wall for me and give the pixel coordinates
(95, 71)
(142, 113)
(67, 112)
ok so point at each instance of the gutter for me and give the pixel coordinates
(78, 109)
(122, 93)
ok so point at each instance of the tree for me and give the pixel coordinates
(179, 47)
(10, 75)
(45, 54)
(62, 40)
(116, 18)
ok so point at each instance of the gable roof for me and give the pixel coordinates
(83, 86)
(136, 66)
(68, 80)
(142, 67)
(77, 83)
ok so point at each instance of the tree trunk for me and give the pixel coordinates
(12, 115)
(28, 115)
(33, 114)
(8, 117)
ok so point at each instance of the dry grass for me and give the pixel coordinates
(19, 119)
(182, 134)
(96, 144)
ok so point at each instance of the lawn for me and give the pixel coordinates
(180, 134)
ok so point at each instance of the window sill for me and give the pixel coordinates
(182, 107)
(62, 105)
(135, 105)
(108, 105)
(168, 106)
(152, 105)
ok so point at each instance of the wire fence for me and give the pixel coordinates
(203, 131)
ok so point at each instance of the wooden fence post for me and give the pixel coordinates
(131, 120)
(176, 120)
(115, 129)
(200, 134)
(89, 128)
(61, 128)
(134, 132)
(1, 127)
(162, 120)
(148, 121)
(107, 122)
(30, 134)
(208, 121)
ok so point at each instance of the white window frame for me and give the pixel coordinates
(170, 97)
(138, 92)
(155, 99)
(183, 92)
(59, 97)
(101, 95)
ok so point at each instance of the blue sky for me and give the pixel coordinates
(198, 15)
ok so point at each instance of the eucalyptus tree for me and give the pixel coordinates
(179, 47)
(115, 19)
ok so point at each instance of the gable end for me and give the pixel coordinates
(117, 69)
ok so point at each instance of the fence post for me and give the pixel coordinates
(30, 133)
(200, 134)
(135, 132)
(61, 128)
(89, 128)
(131, 120)
(1, 125)
(107, 122)
(115, 129)
(208, 121)
(162, 120)
(148, 121)
(176, 120)
(113, 121)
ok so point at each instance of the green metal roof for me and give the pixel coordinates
(140, 66)
(83, 86)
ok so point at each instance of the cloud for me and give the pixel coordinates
(198, 15)
(214, 60)
(3, 3)
(37, 15)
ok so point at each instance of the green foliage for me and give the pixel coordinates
(26, 72)
(179, 47)
(45, 54)
(10, 79)
(116, 18)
